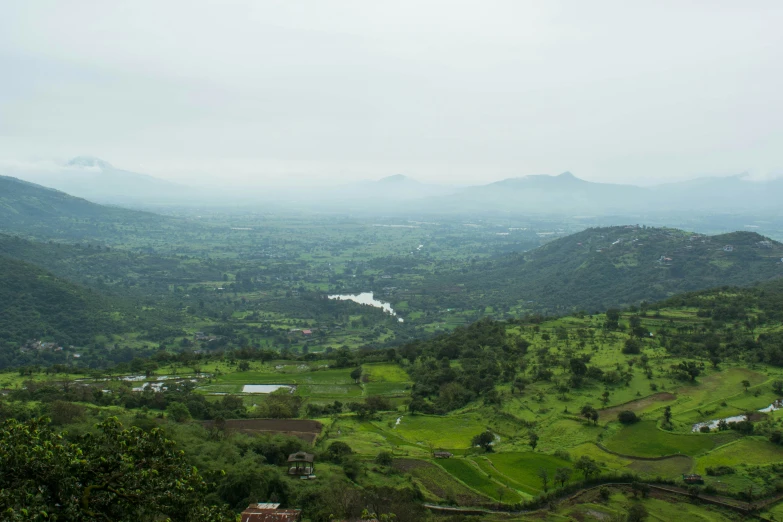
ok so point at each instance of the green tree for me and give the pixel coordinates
(543, 474)
(484, 440)
(587, 466)
(356, 374)
(178, 411)
(563, 475)
(746, 384)
(532, 439)
(117, 474)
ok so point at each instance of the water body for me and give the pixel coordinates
(713, 424)
(264, 388)
(367, 298)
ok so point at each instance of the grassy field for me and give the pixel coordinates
(470, 474)
(751, 451)
(522, 468)
(644, 439)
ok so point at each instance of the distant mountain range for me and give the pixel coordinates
(565, 194)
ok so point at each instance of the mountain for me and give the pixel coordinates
(30, 209)
(98, 180)
(35, 304)
(545, 194)
(605, 267)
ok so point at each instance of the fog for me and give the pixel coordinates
(241, 94)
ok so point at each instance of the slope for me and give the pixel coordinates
(42, 212)
(604, 267)
(35, 304)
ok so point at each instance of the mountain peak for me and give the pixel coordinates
(87, 162)
(396, 178)
(567, 175)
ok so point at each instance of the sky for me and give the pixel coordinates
(297, 92)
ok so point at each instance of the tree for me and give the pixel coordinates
(337, 451)
(543, 474)
(356, 374)
(563, 475)
(690, 368)
(384, 458)
(627, 417)
(746, 384)
(178, 411)
(636, 513)
(113, 474)
(532, 439)
(589, 413)
(587, 466)
(484, 440)
(777, 387)
(667, 414)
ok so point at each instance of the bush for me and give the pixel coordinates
(704, 429)
(605, 493)
(719, 471)
(384, 458)
(562, 454)
(338, 451)
(627, 417)
(178, 411)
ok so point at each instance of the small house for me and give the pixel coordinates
(270, 512)
(303, 463)
(442, 455)
(693, 479)
(728, 248)
(307, 333)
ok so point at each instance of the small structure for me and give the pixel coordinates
(303, 463)
(728, 248)
(307, 332)
(270, 512)
(442, 455)
(693, 479)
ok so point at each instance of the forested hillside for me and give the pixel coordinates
(41, 212)
(35, 304)
(604, 267)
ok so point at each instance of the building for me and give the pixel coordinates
(307, 332)
(303, 463)
(693, 479)
(442, 455)
(728, 248)
(269, 512)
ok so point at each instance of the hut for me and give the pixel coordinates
(270, 512)
(301, 463)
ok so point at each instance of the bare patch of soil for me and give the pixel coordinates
(637, 405)
(307, 430)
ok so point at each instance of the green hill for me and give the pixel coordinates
(34, 304)
(36, 211)
(605, 267)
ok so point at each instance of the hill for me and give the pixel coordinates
(34, 304)
(606, 267)
(109, 269)
(41, 212)
(98, 180)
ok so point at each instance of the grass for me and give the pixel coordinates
(522, 468)
(448, 432)
(751, 451)
(474, 478)
(644, 439)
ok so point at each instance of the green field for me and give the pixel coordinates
(644, 439)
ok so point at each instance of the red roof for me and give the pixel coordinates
(270, 515)
(307, 332)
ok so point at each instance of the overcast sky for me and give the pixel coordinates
(448, 91)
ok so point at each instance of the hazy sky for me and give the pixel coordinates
(447, 91)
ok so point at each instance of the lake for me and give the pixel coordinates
(366, 298)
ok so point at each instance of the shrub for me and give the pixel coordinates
(384, 458)
(627, 417)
